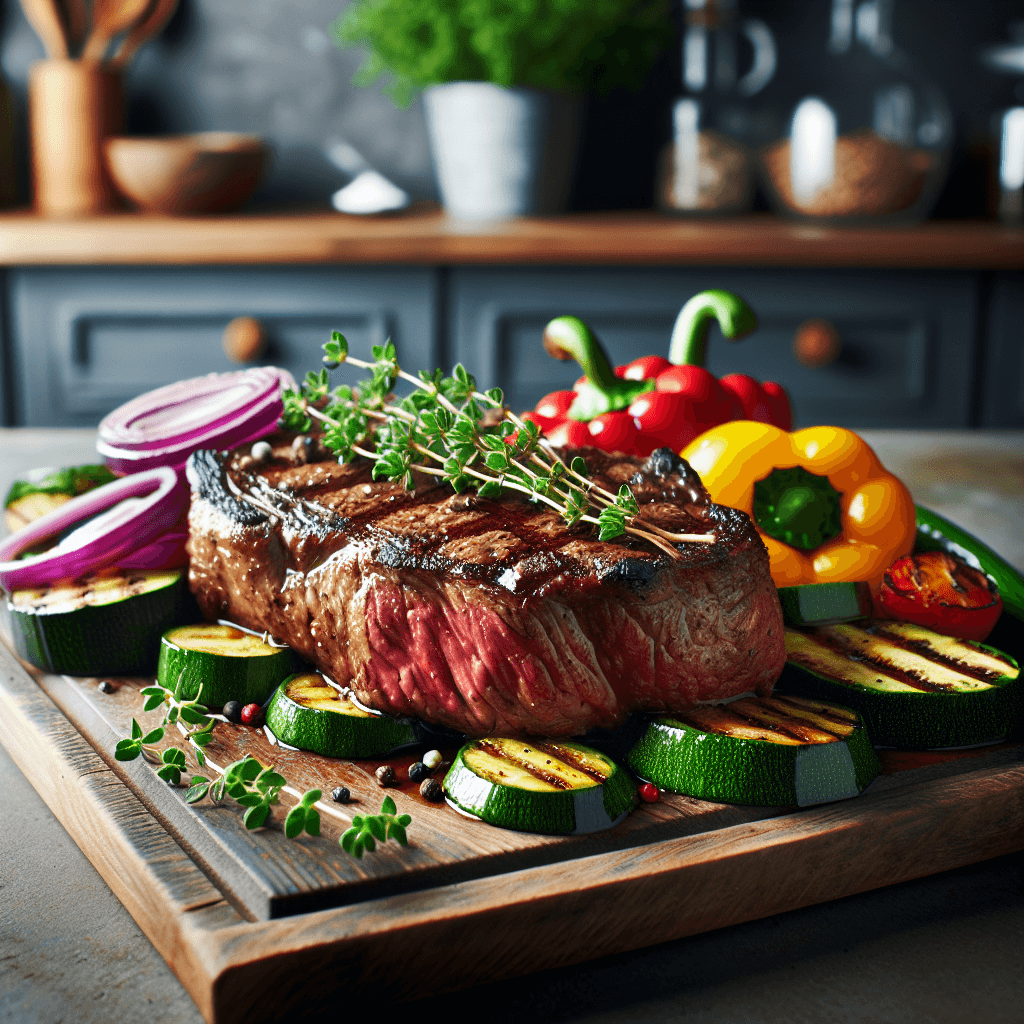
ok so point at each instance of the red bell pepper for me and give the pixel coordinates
(655, 402)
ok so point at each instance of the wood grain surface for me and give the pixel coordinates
(426, 237)
(928, 815)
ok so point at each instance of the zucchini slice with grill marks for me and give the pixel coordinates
(218, 663)
(309, 713)
(555, 788)
(916, 689)
(767, 751)
(107, 624)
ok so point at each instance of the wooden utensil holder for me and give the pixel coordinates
(73, 106)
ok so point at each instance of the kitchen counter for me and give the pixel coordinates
(943, 948)
(423, 236)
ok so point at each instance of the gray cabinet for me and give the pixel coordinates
(1002, 396)
(87, 340)
(919, 348)
(907, 357)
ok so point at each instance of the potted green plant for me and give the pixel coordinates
(502, 82)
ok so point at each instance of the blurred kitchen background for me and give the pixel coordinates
(271, 68)
(905, 344)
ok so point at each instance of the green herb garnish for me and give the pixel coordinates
(448, 429)
(367, 830)
(256, 788)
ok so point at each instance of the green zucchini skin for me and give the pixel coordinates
(677, 757)
(568, 812)
(919, 721)
(333, 734)
(824, 603)
(214, 679)
(117, 639)
(936, 533)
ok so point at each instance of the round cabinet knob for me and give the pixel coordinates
(244, 340)
(816, 343)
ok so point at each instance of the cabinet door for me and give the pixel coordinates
(1002, 400)
(87, 340)
(907, 355)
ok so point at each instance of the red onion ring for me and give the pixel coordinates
(166, 552)
(197, 412)
(129, 514)
(263, 421)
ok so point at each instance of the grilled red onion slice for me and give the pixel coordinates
(163, 427)
(106, 525)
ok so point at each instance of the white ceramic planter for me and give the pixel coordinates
(501, 153)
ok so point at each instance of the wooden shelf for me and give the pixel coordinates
(426, 237)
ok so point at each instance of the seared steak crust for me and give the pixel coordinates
(486, 616)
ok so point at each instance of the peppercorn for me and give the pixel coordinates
(252, 714)
(261, 451)
(418, 771)
(432, 758)
(106, 687)
(649, 792)
(232, 711)
(430, 789)
(386, 776)
(341, 795)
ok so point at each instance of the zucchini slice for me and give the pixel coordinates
(555, 788)
(108, 624)
(309, 713)
(820, 604)
(218, 663)
(42, 490)
(916, 689)
(767, 751)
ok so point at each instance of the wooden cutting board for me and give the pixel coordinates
(240, 915)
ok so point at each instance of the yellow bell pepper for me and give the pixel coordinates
(875, 522)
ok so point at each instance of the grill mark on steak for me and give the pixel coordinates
(487, 616)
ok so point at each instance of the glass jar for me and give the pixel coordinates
(1008, 126)
(867, 137)
(707, 167)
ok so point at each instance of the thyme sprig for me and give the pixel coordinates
(192, 717)
(447, 428)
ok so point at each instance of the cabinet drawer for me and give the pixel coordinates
(907, 338)
(1002, 398)
(87, 340)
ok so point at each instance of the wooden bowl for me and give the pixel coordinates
(209, 172)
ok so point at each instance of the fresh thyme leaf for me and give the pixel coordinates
(368, 830)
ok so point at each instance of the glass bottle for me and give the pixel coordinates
(1008, 126)
(867, 137)
(707, 167)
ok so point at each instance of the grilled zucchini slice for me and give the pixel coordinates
(766, 751)
(916, 689)
(555, 788)
(218, 663)
(309, 713)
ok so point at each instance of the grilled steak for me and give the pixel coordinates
(486, 616)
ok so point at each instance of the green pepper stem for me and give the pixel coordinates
(568, 337)
(690, 333)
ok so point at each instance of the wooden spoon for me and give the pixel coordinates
(151, 25)
(75, 15)
(44, 17)
(109, 19)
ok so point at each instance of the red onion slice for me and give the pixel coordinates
(129, 514)
(261, 422)
(195, 411)
(166, 552)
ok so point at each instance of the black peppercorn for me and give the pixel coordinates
(386, 776)
(430, 789)
(341, 795)
(418, 771)
(105, 687)
(232, 711)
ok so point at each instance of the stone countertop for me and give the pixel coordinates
(942, 949)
